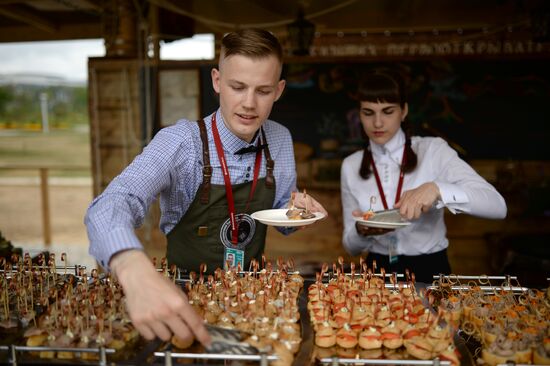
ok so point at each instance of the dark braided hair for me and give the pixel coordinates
(383, 86)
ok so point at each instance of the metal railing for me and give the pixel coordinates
(44, 190)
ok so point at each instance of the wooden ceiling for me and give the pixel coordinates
(33, 20)
(39, 20)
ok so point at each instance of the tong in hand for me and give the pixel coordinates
(229, 342)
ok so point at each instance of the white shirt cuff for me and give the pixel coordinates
(452, 197)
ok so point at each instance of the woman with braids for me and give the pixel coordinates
(419, 176)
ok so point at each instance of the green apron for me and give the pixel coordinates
(198, 236)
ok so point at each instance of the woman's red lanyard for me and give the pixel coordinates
(399, 185)
(227, 180)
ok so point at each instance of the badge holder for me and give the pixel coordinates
(393, 257)
(233, 258)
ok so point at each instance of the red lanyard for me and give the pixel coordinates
(379, 183)
(227, 180)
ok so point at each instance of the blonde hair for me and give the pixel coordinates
(251, 42)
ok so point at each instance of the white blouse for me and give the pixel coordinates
(462, 191)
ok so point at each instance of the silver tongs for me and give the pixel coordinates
(224, 341)
(391, 216)
(229, 341)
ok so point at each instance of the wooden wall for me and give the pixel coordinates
(116, 129)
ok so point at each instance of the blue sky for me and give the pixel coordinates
(68, 59)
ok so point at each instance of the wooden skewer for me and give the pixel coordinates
(306, 214)
(292, 211)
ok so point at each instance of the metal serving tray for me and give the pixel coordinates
(160, 353)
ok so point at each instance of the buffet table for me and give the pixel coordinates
(19, 346)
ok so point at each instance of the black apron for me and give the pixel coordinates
(200, 235)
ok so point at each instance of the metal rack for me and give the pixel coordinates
(450, 282)
(386, 275)
(153, 350)
(13, 359)
(76, 269)
(304, 356)
(334, 361)
(168, 356)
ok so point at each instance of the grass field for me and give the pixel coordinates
(20, 217)
(34, 149)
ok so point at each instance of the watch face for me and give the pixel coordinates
(247, 228)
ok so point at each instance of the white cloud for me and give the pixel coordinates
(69, 59)
(199, 47)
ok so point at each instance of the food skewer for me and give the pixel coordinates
(293, 213)
(370, 213)
(306, 214)
(64, 260)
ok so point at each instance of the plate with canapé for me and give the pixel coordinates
(278, 217)
(386, 219)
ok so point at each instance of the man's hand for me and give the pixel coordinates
(302, 200)
(364, 230)
(157, 307)
(417, 201)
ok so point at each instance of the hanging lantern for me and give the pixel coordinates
(300, 34)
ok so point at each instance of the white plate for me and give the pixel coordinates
(277, 217)
(390, 219)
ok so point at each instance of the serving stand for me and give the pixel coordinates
(13, 352)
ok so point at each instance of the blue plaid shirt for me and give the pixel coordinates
(171, 166)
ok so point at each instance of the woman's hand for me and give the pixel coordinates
(417, 201)
(364, 230)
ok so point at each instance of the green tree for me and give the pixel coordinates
(23, 107)
(66, 105)
(6, 96)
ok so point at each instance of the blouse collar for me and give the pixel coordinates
(394, 147)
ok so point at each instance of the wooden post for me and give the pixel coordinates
(45, 199)
(154, 31)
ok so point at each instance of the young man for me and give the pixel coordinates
(208, 181)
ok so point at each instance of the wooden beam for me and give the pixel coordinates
(154, 31)
(92, 5)
(25, 33)
(23, 15)
(81, 5)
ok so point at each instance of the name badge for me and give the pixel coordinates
(392, 250)
(233, 258)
